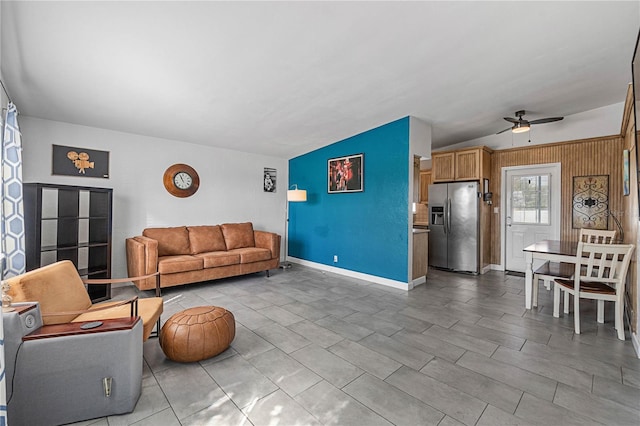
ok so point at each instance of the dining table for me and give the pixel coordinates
(551, 250)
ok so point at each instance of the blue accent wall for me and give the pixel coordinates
(368, 230)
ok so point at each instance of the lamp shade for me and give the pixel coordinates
(297, 195)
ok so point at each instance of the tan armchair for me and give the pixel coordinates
(63, 298)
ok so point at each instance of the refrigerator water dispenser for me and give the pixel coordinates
(437, 215)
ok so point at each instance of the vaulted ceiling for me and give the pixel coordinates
(284, 78)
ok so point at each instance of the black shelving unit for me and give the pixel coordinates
(64, 222)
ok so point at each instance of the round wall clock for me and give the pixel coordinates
(181, 180)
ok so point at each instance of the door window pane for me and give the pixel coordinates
(530, 199)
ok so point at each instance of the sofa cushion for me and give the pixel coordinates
(204, 239)
(183, 263)
(252, 254)
(219, 258)
(171, 241)
(238, 235)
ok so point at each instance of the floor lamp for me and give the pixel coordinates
(294, 195)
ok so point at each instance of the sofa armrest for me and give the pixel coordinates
(142, 259)
(268, 240)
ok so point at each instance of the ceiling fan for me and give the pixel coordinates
(520, 125)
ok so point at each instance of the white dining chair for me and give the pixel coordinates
(595, 236)
(550, 271)
(600, 273)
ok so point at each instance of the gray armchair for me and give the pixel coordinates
(66, 373)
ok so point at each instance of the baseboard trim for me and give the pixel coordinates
(359, 275)
(634, 336)
(419, 281)
(495, 267)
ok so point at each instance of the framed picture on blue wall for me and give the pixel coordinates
(345, 174)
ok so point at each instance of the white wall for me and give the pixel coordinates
(605, 121)
(419, 145)
(230, 181)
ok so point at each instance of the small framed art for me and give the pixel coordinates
(73, 161)
(625, 173)
(269, 179)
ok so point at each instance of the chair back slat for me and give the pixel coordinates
(592, 264)
(597, 236)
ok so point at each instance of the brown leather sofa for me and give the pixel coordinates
(190, 254)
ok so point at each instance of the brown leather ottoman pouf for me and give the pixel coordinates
(197, 333)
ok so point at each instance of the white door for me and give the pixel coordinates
(531, 209)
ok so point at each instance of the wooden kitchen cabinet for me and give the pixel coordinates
(425, 181)
(461, 165)
(468, 164)
(443, 166)
(420, 253)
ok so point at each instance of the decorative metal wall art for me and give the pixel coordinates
(590, 202)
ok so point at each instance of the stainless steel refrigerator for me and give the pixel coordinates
(454, 226)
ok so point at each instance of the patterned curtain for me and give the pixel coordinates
(3, 370)
(12, 222)
(12, 253)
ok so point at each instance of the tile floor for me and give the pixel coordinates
(316, 348)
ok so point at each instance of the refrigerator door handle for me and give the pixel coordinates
(448, 218)
(444, 219)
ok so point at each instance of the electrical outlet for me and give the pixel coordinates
(335, 258)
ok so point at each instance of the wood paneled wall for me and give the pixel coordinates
(597, 156)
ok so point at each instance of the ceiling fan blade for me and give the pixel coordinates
(502, 131)
(546, 120)
(511, 120)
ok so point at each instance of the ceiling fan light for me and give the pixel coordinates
(520, 128)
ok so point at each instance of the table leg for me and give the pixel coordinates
(528, 279)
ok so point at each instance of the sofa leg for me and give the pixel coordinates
(268, 273)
